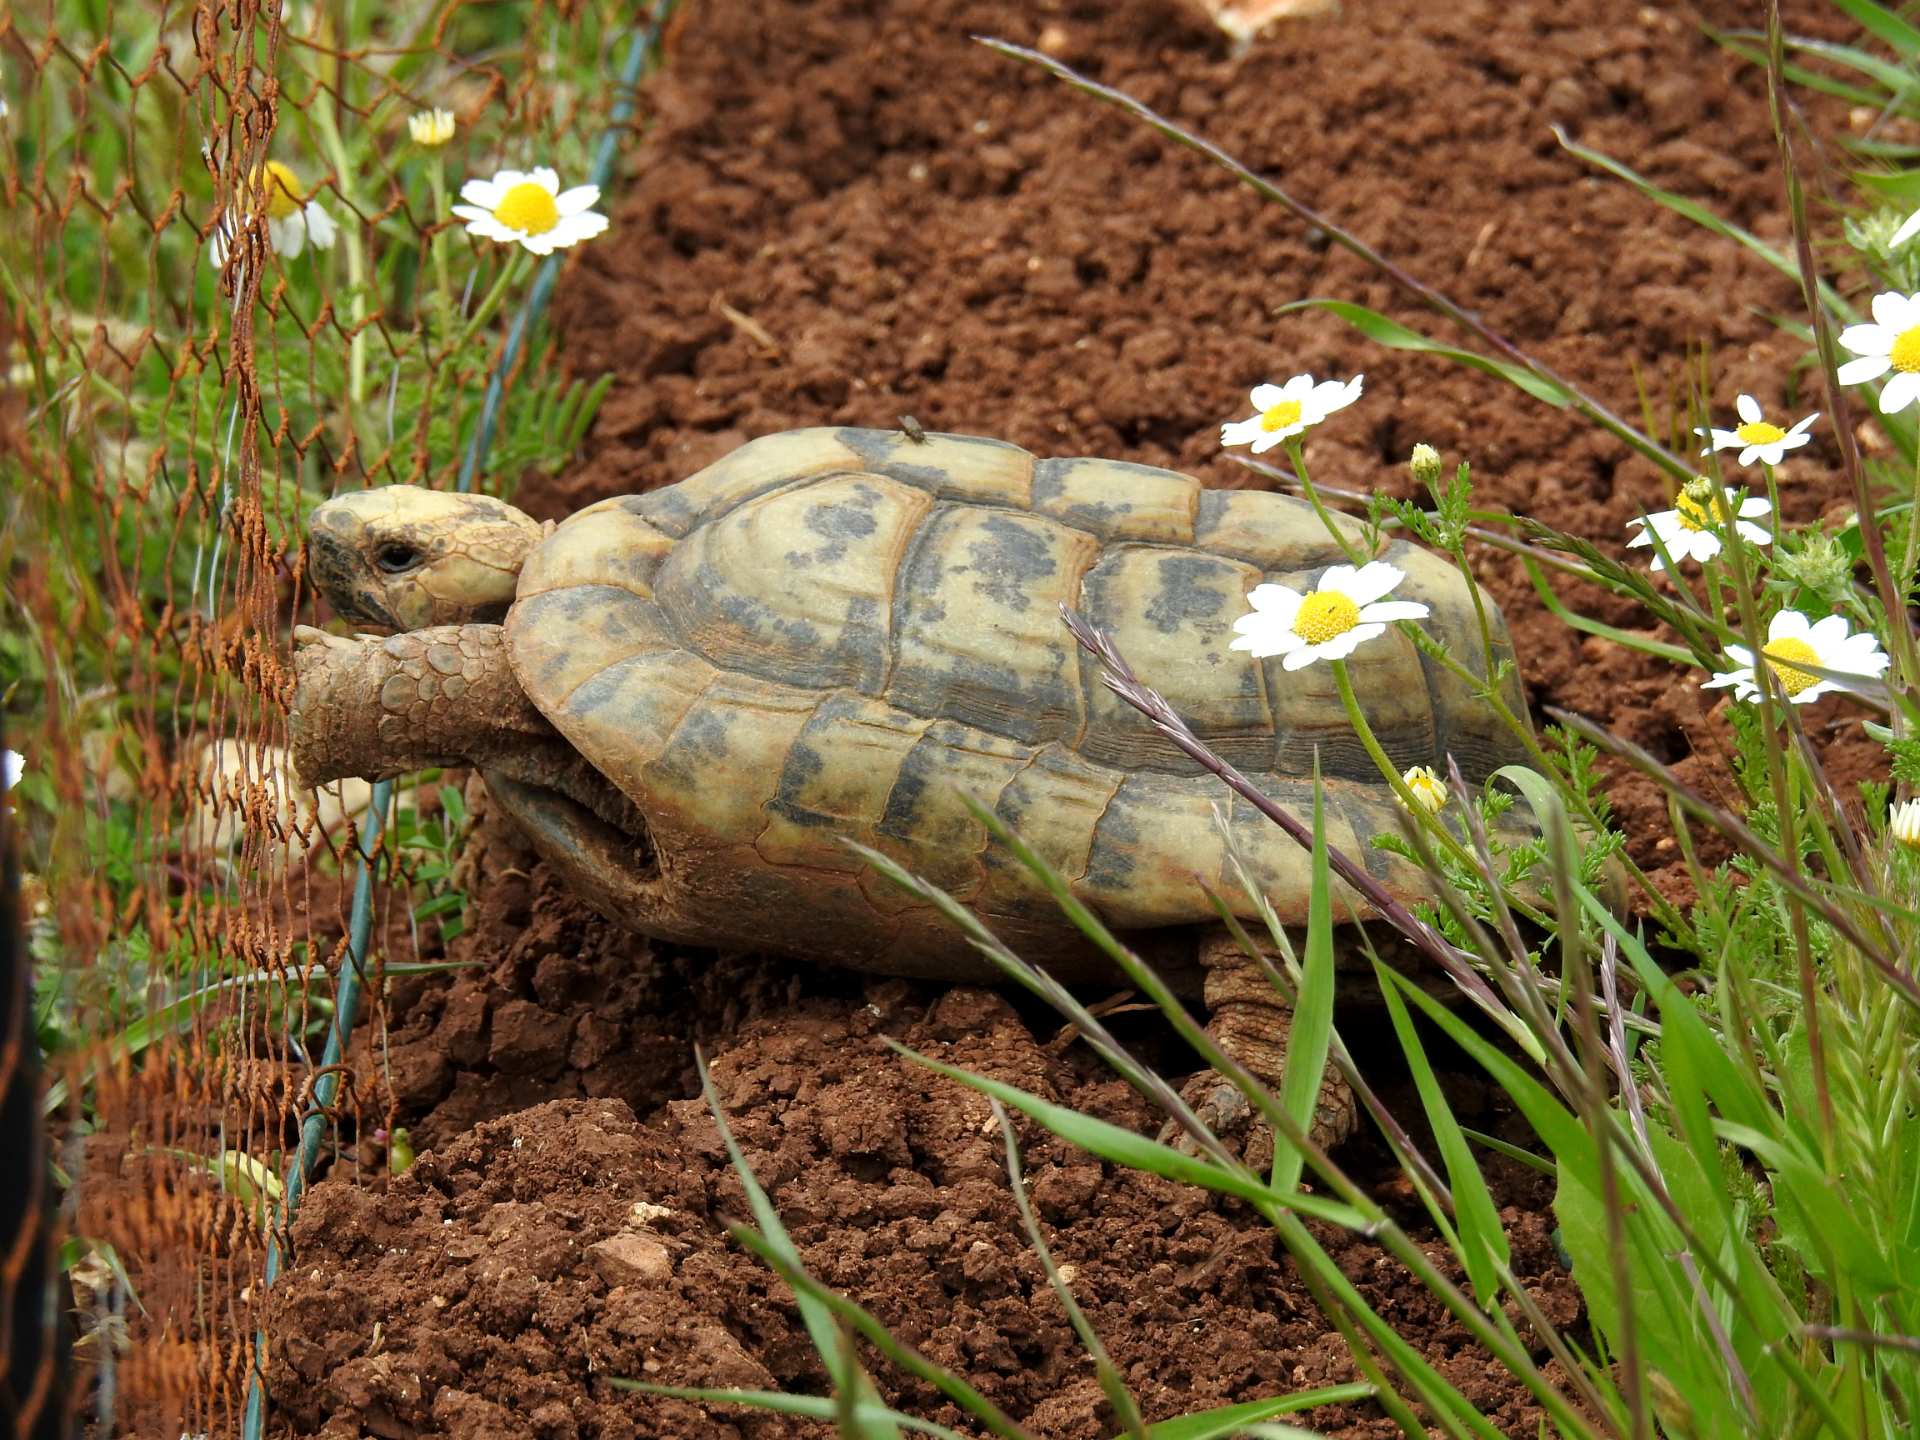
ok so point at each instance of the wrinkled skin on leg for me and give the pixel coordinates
(1251, 1020)
(443, 696)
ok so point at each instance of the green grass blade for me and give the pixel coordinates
(811, 1407)
(1231, 1419)
(1312, 1028)
(1112, 1384)
(1706, 219)
(905, 1356)
(1483, 1244)
(835, 1353)
(1395, 336)
(1123, 1147)
(1883, 25)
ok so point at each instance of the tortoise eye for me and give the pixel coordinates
(395, 558)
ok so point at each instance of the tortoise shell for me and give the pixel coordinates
(835, 632)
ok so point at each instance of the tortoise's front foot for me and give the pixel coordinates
(1250, 1022)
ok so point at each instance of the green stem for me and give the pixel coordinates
(1349, 547)
(336, 152)
(1358, 719)
(437, 177)
(491, 302)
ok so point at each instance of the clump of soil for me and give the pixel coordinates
(847, 211)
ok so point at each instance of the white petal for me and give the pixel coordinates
(1270, 438)
(1265, 397)
(1749, 408)
(1908, 229)
(1727, 677)
(505, 180)
(1901, 391)
(1800, 427)
(548, 180)
(580, 197)
(1765, 453)
(484, 193)
(1395, 610)
(1754, 506)
(289, 236)
(1298, 387)
(1700, 545)
(1722, 440)
(1370, 581)
(1280, 601)
(1752, 534)
(572, 229)
(1788, 625)
(1868, 339)
(1301, 658)
(1241, 432)
(1740, 655)
(1826, 632)
(320, 227)
(1867, 367)
(1890, 309)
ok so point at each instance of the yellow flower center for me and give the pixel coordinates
(1323, 615)
(528, 208)
(1760, 432)
(1695, 516)
(1279, 417)
(283, 190)
(1791, 680)
(1906, 350)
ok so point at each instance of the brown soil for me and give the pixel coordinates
(900, 221)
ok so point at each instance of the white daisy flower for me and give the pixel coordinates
(1701, 508)
(1758, 438)
(529, 208)
(1344, 611)
(1286, 410)
(1794, 640)
(1891, 342)
(431, 128)
(1903, 823)
(1427, 788)
(291, 221)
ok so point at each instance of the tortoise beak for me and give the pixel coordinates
(339, 574)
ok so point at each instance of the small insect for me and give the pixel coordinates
(914, 433)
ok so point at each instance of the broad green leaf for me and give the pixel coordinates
(1395, 336)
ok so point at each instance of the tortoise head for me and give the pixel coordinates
(403, 557)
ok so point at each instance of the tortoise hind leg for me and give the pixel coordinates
(1250, 1020)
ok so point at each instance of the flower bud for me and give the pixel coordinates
(1425, 465)
(1821, 564)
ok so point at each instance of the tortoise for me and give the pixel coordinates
(686, 697)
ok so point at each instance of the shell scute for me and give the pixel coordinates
(977, 635)
(796, 585)
(604, 544)
(563, 638)
(1172, 613)
(1118, 501)
(834, 781)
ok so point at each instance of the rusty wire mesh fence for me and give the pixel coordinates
(232, 287)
